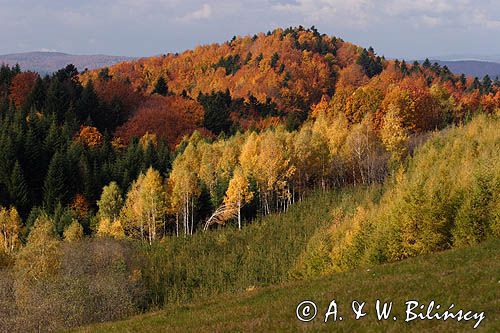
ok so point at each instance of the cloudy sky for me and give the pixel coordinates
(396, 28)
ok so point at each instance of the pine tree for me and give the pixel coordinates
(217, 111)
(274, 60)
(18, 189)
(104, 74)
(486, 84)
(259, 58)
(53, 140)
(161, 87)
(404, 68)
(371, 67)
(88, 103)
(35, 166)
(54, 187)
(58, 100)
(475, 84)
(36, 99)
(463, 81)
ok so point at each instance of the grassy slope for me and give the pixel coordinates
(469, 277)
(229, 260)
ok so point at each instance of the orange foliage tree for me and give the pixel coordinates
(90, 136)
(119, 91)
(80, 206)
(21, 86)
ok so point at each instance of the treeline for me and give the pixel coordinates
(257, 82)
(238, 178)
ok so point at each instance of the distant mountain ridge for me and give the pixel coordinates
(49, 62)
(473, 67)
(462, 57)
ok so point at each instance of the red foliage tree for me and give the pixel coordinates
(119, 91)
(169, 117)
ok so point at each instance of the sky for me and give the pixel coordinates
(410, 29)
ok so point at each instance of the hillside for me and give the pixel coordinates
(49, 62)
(466, 277)
(280, 77)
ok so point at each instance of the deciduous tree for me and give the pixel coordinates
(238, 193)
(10, 228)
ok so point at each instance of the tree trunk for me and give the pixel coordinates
(177, 224)
(239, 214)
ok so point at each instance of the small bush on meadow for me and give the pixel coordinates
(57, 285)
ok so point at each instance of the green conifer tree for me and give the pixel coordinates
(161, 87)
(54, 187)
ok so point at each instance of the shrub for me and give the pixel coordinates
(93, 280)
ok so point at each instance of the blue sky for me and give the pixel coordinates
(396, 28)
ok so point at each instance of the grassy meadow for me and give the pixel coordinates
(469, 278)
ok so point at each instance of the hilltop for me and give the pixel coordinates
(280, 77)
(293, 67)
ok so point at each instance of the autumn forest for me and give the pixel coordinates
(142, 184)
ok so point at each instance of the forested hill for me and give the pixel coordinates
(293, 67)
(280, 76)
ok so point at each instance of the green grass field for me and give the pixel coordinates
(469, 278)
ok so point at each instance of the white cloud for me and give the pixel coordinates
(430, 21)
(459, 14)
(404, 7)
(142, 27)
(350, 13)
(204, 12)
(480, 18)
